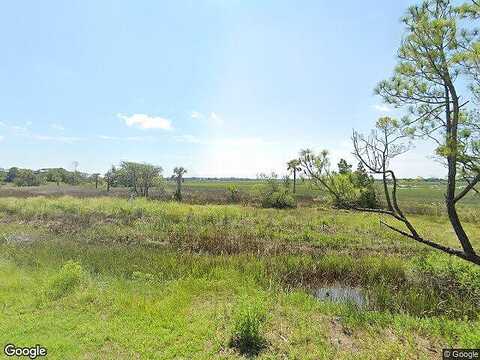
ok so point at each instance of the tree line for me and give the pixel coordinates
(139, 178)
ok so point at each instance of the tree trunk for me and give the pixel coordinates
(294, 180)
(452, 117)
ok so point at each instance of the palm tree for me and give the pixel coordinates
(178, 173)
(294, 166)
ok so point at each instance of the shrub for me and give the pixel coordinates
(26, 177)
(247, 335)
(275, 194)
(66, 280)
(280, 199)
(368, 198)
(352, 192)
(233, 193)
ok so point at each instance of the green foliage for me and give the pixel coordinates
(178, 173)
(345, 189)
(469, 9)
(344, 167)
(29, 177)
(248, 321)
(26, 177)
(3, 175)
(233, 193)
(275, 193)
(60, 175)
(280, 199)
(437, 51)
(139, 178)
(65, 281)
(11, 174)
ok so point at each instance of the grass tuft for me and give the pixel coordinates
(70, 276)
(248, 322)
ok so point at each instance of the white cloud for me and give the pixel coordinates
(144, 121)
(2, 138)
(384, 108)
(17, 128)
(57, 127)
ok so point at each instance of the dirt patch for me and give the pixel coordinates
(341, 337)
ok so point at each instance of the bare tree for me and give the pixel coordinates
(375, 152)
(430, 62)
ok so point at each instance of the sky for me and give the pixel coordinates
(225, 88)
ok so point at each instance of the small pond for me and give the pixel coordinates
(341, 294)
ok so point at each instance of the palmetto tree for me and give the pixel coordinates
(293, 166)
(178, 173)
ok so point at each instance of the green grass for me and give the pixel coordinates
(107, 278)
(415, 196)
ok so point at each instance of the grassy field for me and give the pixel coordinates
(417, 195)
(109, 278)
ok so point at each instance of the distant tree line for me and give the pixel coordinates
(28, 177)
(139, 178)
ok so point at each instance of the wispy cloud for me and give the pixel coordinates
(57, 127)
(196, 115)
(215, 119)
(2, 138)
(144, 121)
(25, 132)
(212, 118)
(125, 138)
(188, 139)
(384, 108)
(16, 128)
(60, 139)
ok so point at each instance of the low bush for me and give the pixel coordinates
(247, 328)
(280, 199)
(275, 194)
(70, 276)
(233, 193)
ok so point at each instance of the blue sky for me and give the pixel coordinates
(221, 87)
